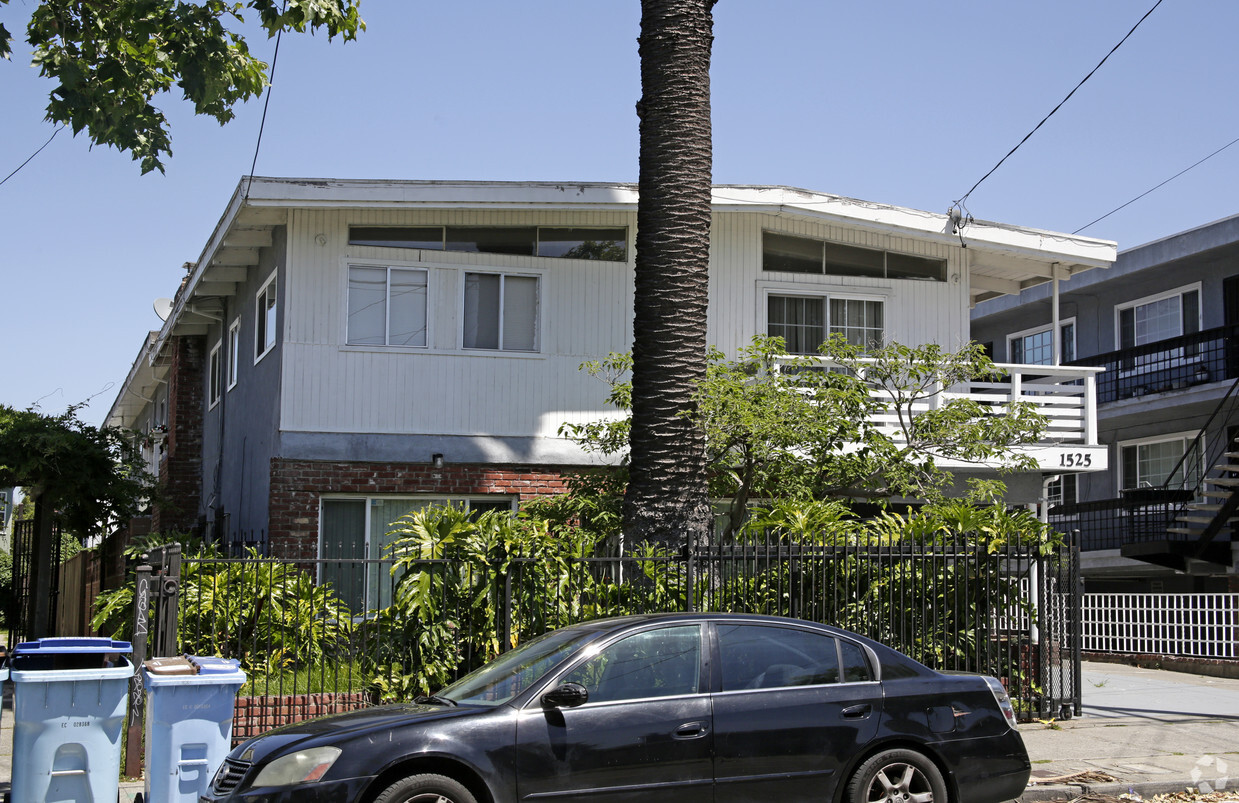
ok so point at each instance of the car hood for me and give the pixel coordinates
(353, 723)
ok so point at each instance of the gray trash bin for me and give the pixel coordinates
(189, 704)
(69, 702)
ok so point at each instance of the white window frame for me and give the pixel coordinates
(503, 274)
(1036, 330)
(215, 374)
(265, 331)
(426, 268)
(1053, 498)
(1186, 437)
(233, 359)
(1175, 355)
(824, 292)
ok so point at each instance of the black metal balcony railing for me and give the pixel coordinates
(1143, 514)
(1172, 364)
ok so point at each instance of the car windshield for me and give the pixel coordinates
(513, 672)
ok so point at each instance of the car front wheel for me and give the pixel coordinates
(425, 789)
(897, 776)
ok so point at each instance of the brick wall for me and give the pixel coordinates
(297, 485)
(254, 716)
(180, 468)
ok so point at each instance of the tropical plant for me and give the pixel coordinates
(446, 615)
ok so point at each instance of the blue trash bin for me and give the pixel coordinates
(69, 702)
(189, 705)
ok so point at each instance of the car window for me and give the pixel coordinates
(513, 672)
(855, 663)
(765, 657)
(654, 663)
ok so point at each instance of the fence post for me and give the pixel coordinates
(506, 617)
(1077, 624)
(690, 575)
(141, 627)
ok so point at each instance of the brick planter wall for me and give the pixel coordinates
(297, 486)
(257, 715)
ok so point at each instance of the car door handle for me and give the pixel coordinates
(690, 730)
(857, 711)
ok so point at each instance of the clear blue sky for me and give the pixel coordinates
(900, 102)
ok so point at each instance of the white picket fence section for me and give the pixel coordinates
(1194, 625)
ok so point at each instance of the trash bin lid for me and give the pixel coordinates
(169, 666)
(71, 645)
(210, 665)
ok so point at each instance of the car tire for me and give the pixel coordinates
(897, 776)
(426, 789)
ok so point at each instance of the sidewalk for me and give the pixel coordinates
(1152, 731)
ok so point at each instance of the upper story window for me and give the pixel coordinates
(1154, 318)
(265, 318)
(1036, 346)
(215, 375)
(386, 306)
(500, 312)
(804, 321)
(234, 352)
(606, 244)
(790, 254)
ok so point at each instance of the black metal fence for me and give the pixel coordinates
(19, 597)
(1171, 364)
(953, 604)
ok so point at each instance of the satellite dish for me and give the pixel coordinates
(163, 308)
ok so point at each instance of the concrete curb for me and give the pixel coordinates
(1045, 793)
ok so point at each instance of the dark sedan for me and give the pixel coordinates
(714, 707)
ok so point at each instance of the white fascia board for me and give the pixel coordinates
(985, 235)
(142, 370)
(336, 193)
(214, 243)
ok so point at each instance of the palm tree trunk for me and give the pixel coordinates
(667, 499)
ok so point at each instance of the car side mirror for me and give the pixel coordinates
(567, 695)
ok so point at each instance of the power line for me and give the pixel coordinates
(963, 199)
(31, 156)
(1159, 186)
(275, 56)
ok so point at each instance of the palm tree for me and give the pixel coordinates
(667, 498)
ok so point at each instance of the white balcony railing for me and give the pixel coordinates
(1065, 395)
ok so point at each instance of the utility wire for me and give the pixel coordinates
(275, 56)
(1159, 186)
(31, 156)
(962, 200)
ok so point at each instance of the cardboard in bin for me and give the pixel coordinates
(169, 666)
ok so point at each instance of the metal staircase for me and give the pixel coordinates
(1192, 544)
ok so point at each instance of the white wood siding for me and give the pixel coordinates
(585, 312)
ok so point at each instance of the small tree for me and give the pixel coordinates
(782, 426)
(79, 475)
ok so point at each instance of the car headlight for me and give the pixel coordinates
(304, 766)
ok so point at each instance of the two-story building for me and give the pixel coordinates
(1163, 323)
(345, 351)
